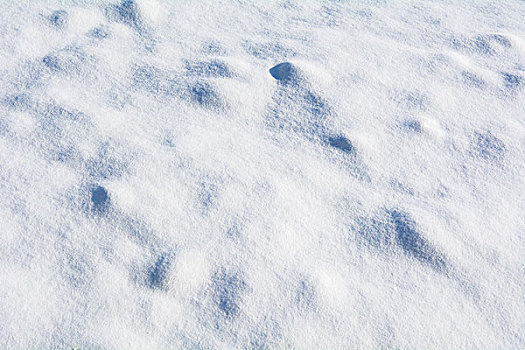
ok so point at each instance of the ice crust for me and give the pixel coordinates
(266, 174)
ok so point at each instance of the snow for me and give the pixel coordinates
(282, 174)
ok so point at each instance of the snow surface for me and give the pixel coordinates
(251, 174)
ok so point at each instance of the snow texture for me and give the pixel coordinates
(262, 174)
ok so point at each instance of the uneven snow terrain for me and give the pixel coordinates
(253, 174)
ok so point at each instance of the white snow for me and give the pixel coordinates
(160, 188)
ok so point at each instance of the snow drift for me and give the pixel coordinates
(285, 174)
